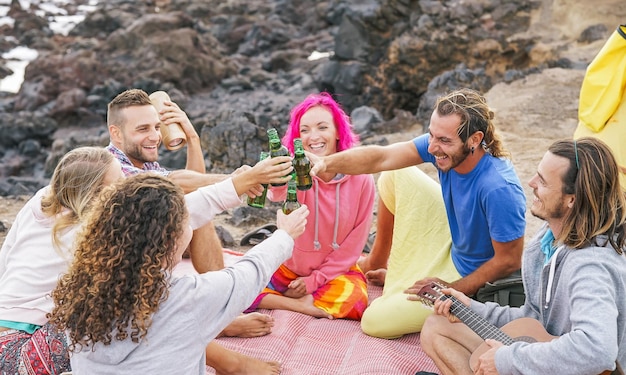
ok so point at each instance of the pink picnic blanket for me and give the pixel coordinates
(311, 346)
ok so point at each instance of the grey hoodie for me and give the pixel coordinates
(586, 308)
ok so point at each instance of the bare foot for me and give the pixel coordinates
(303, 305)
(376, 277)
(244, 365)
(310, 309)
(249, 325)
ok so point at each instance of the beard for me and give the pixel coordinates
(456, 159)
(135, 152)
(556, 212)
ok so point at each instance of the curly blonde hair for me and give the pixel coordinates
(122, 262)
(475, 115)
(75, 183)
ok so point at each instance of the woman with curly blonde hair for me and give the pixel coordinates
(36, 250)
(119, 303)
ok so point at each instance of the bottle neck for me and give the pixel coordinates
(275, 144)
(292, 194)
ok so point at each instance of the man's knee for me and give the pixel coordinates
(434, 326)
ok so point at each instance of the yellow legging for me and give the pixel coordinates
(420, 248)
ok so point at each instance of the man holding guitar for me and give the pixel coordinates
(574, 271)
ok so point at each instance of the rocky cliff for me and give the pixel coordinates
(237, 67)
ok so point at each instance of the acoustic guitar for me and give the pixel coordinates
(523, 329)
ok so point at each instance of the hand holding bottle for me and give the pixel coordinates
(302, 166)
(277, 149)
(259, 200)
(294, 223)
(291, 202)
(250, 180)
(317, 164)
(273, 170)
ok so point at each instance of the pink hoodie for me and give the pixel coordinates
(336, 230)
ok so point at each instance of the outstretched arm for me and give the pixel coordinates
(271, 170)
(190, 180)
(367, 159)
(264, 172)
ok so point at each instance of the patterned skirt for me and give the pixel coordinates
(45, 352)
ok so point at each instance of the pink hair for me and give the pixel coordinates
(347, 137)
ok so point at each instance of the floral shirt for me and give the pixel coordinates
(129, 169)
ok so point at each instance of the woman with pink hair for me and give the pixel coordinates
(322, 279)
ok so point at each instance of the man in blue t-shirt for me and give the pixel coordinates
(483, 197)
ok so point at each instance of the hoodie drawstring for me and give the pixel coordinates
(316, 242)
(551, 276)
(335, 244)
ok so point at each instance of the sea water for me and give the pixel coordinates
(60, 22)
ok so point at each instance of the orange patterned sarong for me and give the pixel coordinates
(342, 297)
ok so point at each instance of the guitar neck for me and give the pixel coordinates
(477, 323)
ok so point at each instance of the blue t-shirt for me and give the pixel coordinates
(484, 204)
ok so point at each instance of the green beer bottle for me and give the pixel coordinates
(276, 147)
(302, 166)
(291, 203)
(259, 201)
